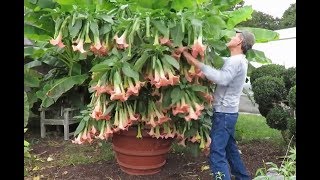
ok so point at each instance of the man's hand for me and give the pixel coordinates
(179, 50)
(191, 60)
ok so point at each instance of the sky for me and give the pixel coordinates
(274, 8)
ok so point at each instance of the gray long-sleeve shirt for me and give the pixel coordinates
(230, 80)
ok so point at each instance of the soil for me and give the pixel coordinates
(179, 166)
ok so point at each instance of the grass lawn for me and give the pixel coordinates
(254, 127)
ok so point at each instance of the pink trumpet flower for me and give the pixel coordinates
(198, 48)
(79, 47)
(192, 115)
(165, 41)
(121, 42)
(57, 41)
(78, 140)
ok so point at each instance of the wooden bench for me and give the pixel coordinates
(64, 118)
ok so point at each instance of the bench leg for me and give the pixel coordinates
(42, 130)
(66, 131)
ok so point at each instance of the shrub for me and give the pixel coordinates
(289, 77)
(273, 70)
(292, 97)
(267, 90)
(292, 127)
(265, 108)
(277, 118)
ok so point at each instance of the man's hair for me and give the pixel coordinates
(248, 40)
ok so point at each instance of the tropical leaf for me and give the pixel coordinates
(26, 109)
(31, 78)
(32, 64)
(104, 65)
(128, 71)
(239, 15)
(177, 35)
(181, 4)
(171, 61)
(52, 91)
(257, 56)
(80, 127)
(225, 4)
(141, 61)
(262, 35)
(75, 29)
(176, 95)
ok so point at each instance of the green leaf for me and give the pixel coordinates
(196, 22)
(32, 64)
(166, 98)
(262, 35)
(53, 90)
(181, 4)
(177, 35)
(257, 56)
(106, 18)
(171, 61)
(63, 85)
(128, 71)
(161, 27)
(74, 30)
(176, 95)
(141, 61)
(110, 107)
(160, 4)
(104, 65)
(239, 15)
(199, 88)
(105, 29)
(31, 78)
(46, 3)
(94, 28)
(226, 4)
(76, 69)
(26, 109)
(79, 128)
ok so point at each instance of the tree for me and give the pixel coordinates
(261, 20)
(288, 19)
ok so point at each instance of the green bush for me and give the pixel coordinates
(273, 70)
(265, 108)
(268, 90)
(289, 77)
(277, 118)
(292, 97)
(292, 127)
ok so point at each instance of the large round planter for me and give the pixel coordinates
(137, 156)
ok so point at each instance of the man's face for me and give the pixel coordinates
(235, 41)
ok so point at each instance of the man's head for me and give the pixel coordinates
(243, 40)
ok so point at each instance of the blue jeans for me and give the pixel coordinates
(223, 149)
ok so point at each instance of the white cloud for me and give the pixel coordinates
(274, 8)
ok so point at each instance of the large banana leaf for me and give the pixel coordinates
(257, 56)
(26, 109)
(31, 78)
(52, 91)
(262, 35)
(239, 15)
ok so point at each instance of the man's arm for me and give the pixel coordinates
(221, 77)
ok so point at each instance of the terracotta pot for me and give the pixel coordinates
(136, 156)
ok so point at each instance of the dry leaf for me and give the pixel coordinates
(204, 167)
(49, 158)
(36, 178)
(35, 168)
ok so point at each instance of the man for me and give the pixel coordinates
(229, 80)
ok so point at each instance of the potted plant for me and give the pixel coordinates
(141, 86)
